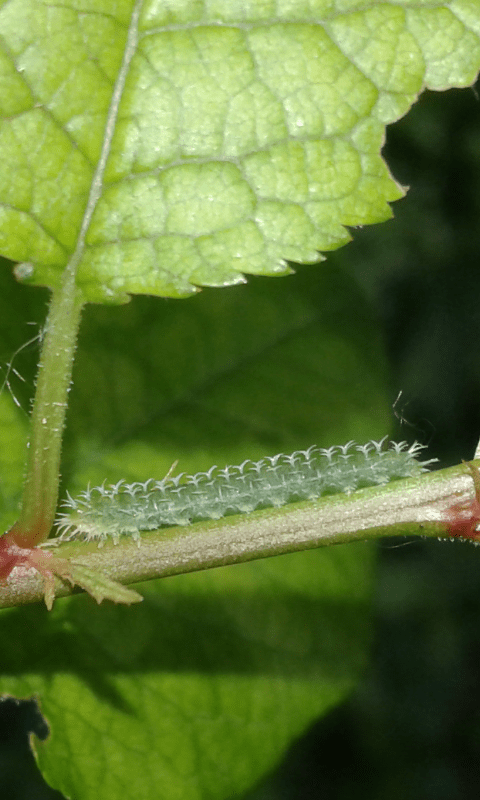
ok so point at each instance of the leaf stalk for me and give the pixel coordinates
(42, 479)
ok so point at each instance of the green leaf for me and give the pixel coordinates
(13, 438)
(198, 691)
(163, 146)
(235, 373)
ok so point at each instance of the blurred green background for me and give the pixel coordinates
(412, 728)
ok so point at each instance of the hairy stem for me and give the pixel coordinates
(48, 417)
(416, 506)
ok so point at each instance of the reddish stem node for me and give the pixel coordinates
(463, 518)
(14, 554)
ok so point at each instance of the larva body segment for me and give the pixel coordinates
(128, 509)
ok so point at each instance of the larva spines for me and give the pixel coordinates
(127, 509)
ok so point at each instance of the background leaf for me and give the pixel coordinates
(236, 373)
(200, 688)
(166, 146)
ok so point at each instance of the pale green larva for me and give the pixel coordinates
(128, 509)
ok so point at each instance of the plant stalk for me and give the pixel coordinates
(40, 492)
(415, 506)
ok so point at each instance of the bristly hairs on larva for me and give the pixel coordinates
(113, 511)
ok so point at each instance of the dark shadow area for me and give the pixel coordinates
(20, 778)
(159, 631)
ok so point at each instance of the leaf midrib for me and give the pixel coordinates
(96, 186)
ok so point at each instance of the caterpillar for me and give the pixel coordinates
(128, 509)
